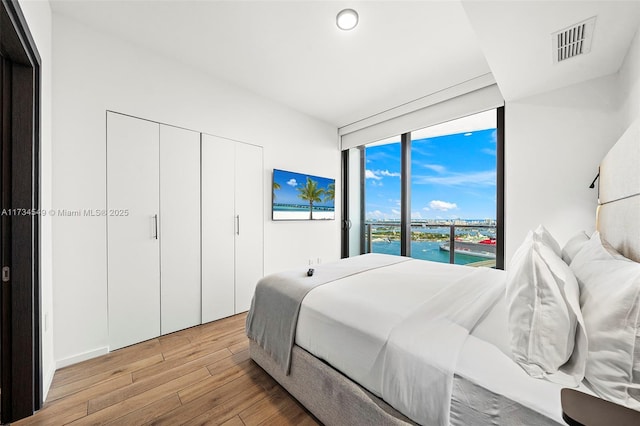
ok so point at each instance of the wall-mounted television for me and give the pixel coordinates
(297, 196)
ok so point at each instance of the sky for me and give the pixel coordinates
(290, 182)
(453, 177)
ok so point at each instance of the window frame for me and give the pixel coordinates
(405, 191)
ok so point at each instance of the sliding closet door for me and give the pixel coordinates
(133, 246)
(179, 229)
(218, 223)
(249, 222)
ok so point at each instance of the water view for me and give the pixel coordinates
(452, 181)
(471, 245)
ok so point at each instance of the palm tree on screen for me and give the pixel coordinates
(276, 186)
(330, 192)
(311, 193)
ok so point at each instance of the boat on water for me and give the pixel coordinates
(484, 248)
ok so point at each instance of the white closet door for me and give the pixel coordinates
(218, 222)
(179, 229)
(250, 223)
(133, 247)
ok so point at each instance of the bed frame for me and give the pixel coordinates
(330, 396)
(334, 399)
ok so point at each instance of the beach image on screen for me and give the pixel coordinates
(297, 196)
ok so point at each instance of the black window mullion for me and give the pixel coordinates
(363, 162)
(405, 196)
(500, 189)
(344, 243)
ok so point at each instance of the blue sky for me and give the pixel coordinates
(290, 182)
(453, 176)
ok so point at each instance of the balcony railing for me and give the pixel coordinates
(452, 238)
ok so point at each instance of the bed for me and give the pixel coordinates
(379, 339)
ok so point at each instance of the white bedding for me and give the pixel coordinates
(348, 322)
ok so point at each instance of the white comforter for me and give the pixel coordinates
(349, 322)
(418, 378)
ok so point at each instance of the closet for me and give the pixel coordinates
(179, 215)
(133, 249)
(232, 225)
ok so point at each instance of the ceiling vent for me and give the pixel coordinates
(573, 41)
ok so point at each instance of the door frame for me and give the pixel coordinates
(20, 353)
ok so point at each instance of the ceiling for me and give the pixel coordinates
(516, 39)
(293, 53)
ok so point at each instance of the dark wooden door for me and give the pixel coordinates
(20, 364)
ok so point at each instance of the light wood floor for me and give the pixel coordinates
(202, 375)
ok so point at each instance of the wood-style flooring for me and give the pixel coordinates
(202, 375)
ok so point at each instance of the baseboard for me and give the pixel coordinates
(61, 363)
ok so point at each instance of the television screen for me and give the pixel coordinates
(297, 196)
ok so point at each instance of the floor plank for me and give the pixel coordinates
(150, 382)
(121, 357)
(198, 376)
(72, 387)
(140, 401)
(233, 421)
(149, 413)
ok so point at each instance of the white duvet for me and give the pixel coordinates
(417, 378)
(385, 330)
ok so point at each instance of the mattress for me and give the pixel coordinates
(346, 323)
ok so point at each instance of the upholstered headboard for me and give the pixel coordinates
(618, 218)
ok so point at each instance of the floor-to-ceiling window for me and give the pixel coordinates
(382, 194)
(453, 192)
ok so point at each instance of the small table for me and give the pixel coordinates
(581, 409)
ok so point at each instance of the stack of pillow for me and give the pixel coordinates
(574, 313)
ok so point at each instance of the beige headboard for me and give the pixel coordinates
(618, 218)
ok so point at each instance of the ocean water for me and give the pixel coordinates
(426, 250)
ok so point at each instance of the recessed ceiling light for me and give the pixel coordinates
(347, 19)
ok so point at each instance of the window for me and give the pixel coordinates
(382, 196)
(452, 195)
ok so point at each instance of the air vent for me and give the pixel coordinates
(573, 41)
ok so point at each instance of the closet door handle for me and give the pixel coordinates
(155, 223)
(237, 224)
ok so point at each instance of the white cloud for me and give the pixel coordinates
(487, 178)
(489, 151)
(442, 205)
(292, 182)
(378, 174)
(416, 215)
(435, 167)
(396, 212)
(370, 174)
(388, 173)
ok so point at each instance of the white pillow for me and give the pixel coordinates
(573, 246)
(610, 300)
(544, 314)
(542, 235)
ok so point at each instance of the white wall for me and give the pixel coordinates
(553, 145)
(95, 72)
(38, 17)
(630, 83)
